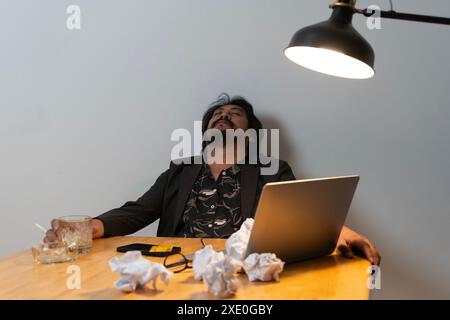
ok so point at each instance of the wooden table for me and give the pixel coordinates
(330, 277)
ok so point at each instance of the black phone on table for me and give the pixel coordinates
(154, 250)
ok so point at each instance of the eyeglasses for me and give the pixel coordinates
(179, 262)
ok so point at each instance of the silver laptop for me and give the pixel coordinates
(301, 219)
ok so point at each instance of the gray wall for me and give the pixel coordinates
(86, 116)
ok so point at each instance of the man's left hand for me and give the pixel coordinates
(350, 243)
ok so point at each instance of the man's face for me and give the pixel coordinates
(229, 117)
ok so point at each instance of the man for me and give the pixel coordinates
(209, 199)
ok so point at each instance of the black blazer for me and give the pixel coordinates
(168, 196)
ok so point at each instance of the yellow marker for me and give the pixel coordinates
(161, 249)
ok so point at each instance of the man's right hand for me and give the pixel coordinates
(51, 235)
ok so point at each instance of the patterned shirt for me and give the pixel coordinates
(213, 209)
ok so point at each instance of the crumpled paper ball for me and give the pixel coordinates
(218, 270)
(220, 276)
(136, 271)
(201, 260)
(263, 267)
(236, 244)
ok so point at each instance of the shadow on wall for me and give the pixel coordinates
(399, 276)
(286, 146)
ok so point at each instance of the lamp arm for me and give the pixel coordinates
(391, 14)
(405, 16)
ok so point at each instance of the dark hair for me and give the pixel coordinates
(223, 100)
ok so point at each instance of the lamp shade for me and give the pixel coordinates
(333, 47)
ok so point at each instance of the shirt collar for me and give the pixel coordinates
(234, 169)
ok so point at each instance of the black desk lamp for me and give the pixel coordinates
(334, 47)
